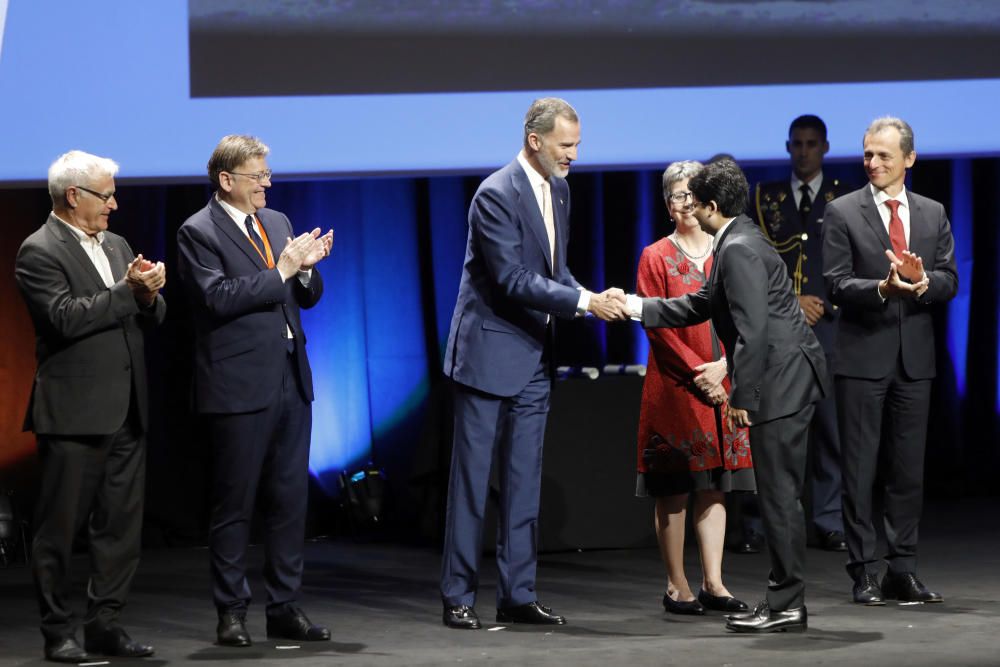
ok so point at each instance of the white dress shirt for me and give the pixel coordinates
(92, 246)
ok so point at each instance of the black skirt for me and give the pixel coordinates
(654, 484)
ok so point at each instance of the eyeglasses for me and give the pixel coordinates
(104, 197)
(680, 197)
(259, 176)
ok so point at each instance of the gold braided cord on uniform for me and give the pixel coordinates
(788, 245)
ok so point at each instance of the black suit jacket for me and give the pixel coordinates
(88, 337)
(776, 365)
(241, 311)
(872, 333)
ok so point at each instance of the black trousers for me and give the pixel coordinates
(861, 406)
(263, 454)
(98, 481)
(780, 449)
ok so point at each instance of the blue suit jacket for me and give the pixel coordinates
(509, 285)
(240, 311)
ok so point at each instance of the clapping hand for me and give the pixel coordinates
(303, 252)
(145, 279)
(910, 267)
(893, 285)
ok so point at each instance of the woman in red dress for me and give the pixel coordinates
(684, 446)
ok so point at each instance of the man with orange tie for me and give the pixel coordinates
(248, 276)
(888, 258)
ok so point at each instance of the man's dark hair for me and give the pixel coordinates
(808, 122)
(724, 183)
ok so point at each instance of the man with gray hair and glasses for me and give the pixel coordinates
(248, 276)
(90, 299)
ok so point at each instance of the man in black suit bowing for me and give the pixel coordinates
(777, 370)
(248, 276)
(888, 257)
(89, 298)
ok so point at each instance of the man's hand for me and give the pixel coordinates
(894, 286)
(145, 279)
(609, 305)
(909, 266)
(709, 381)
(296, 250)
(736, 418)
(318, 250)
(812, 308)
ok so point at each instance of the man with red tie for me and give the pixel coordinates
(888, 258)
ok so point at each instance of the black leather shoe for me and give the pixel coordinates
(833, 541)
(292, 623)
(461, 617)
(725, 603)
(689, 607)
(114, 641)
(751, 543)
(232, 629)
(866, 591)
(905, 587)
(763, 619)
(529, 613)
(65, 650)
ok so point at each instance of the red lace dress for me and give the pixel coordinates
(684, 444)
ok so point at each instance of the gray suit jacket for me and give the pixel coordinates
(776, 365)
(88, 338)
(872, 333)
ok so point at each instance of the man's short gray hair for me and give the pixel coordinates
(541, 116)
(77, 168)
(232, 151)
(678, 171)
(905, 131)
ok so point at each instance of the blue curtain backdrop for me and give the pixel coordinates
(376, 338)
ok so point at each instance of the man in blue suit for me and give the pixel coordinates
(247, 278)
(514, 281)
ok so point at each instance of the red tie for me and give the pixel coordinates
(896, 235)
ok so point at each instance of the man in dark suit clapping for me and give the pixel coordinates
(888, 258)
(777, 371)
(89, 297)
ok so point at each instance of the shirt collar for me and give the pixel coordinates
(882, 197)
(814, 185)
(719, 234)
(236, 214)
(82, 236)
(534, 177)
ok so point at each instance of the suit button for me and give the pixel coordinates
(805, 237)
(805, 257)
(805, 279)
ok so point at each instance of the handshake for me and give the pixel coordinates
(609, 305)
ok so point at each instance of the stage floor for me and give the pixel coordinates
(381, 603)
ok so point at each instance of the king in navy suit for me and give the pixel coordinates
(514, 281)
(248, 276)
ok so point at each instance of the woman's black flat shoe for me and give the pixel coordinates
(725, 603)
(691, 607)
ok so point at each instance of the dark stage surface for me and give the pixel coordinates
(381, 603)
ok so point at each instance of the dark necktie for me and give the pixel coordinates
(805, 204)
(254, 236)
(896, 235)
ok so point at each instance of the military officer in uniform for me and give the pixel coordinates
(790, 212)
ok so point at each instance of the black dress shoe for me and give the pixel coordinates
(292, 623)
(232, 629)
(763, 619)
(65, 650)
(529, 613)
(866, 591)
(751, 543)
(461, 617)
(688, 607)
(725, 603)
(905, 587)
(833, 541)
(114, 641)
